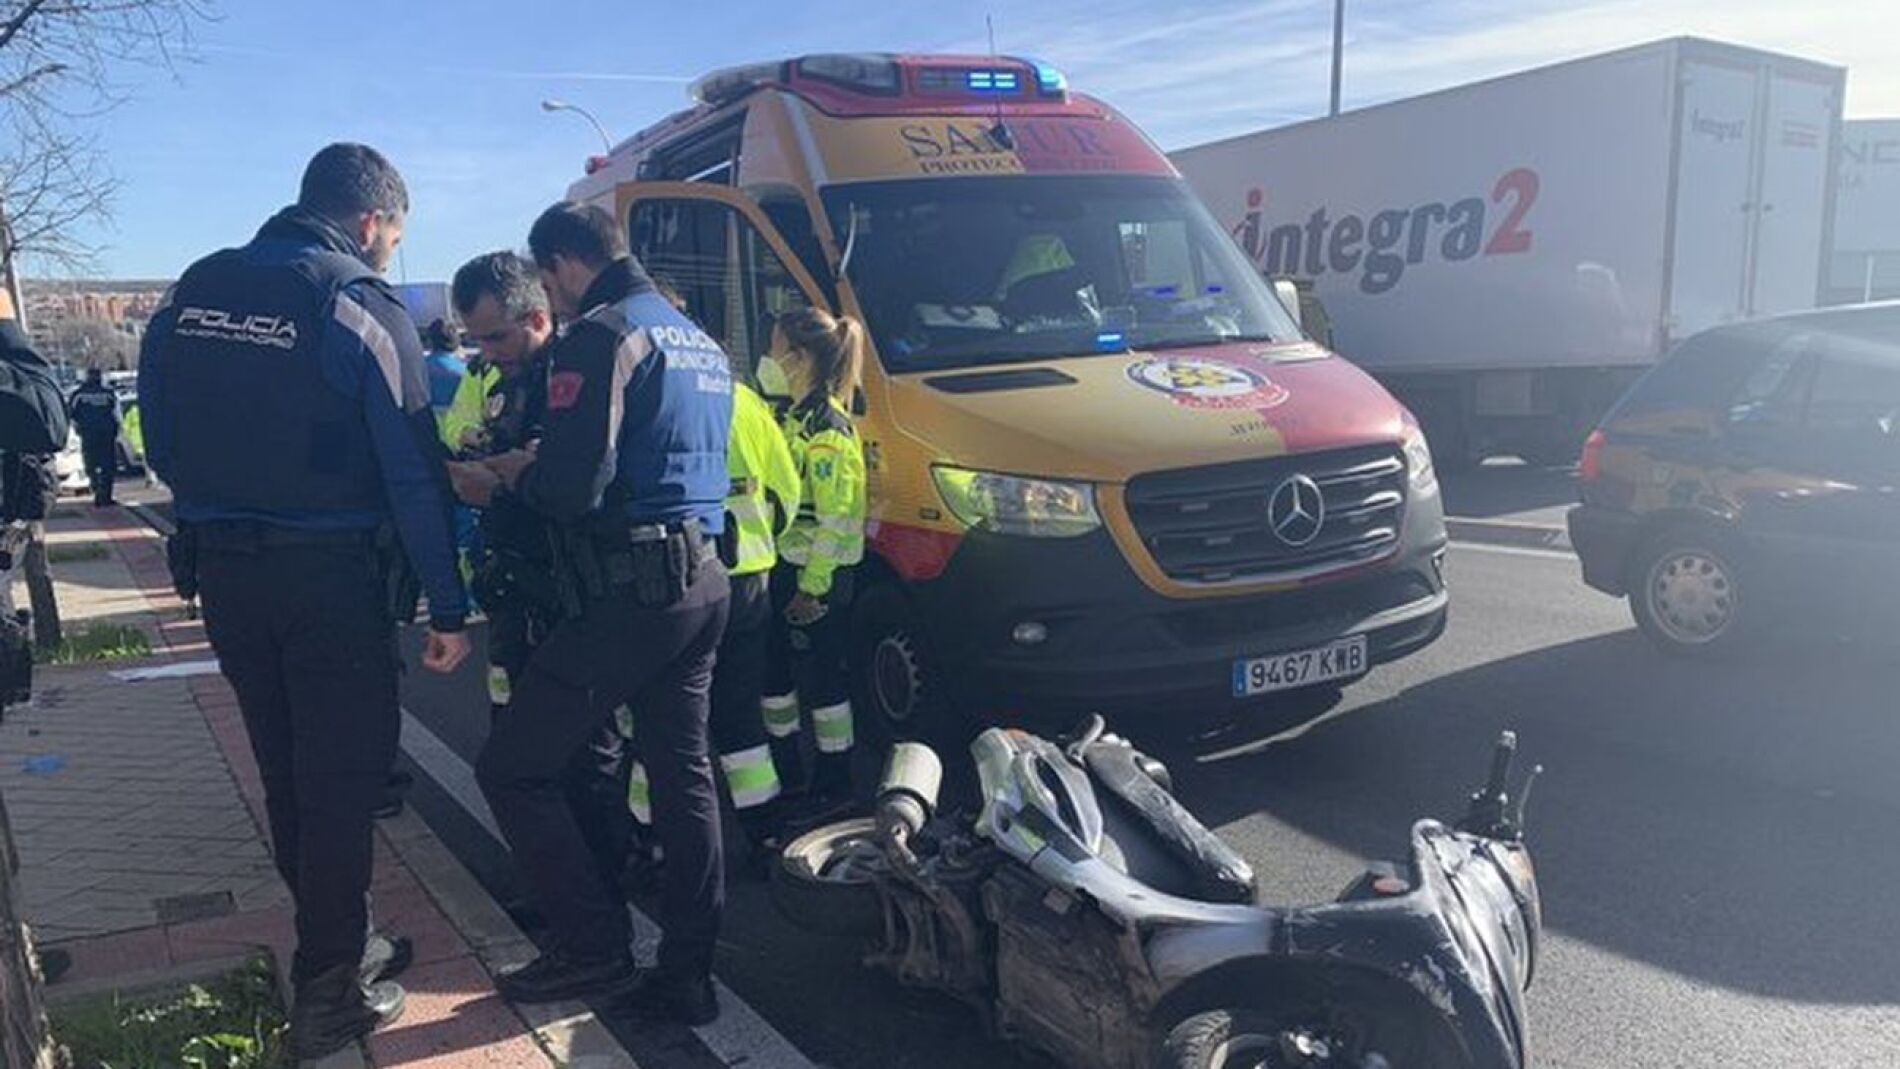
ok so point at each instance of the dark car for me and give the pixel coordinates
(1751, 478)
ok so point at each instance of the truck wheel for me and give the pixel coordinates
(1255, 1039)
(1688, 593)
(824, 880)
(896, 666)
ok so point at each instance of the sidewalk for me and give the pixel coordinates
(140, 818)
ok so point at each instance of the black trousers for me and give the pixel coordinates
(659, 662)
(594, 782)
(101, 454)
(305, 639)
(811, 659)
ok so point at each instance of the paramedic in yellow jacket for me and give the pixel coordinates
(821, 358)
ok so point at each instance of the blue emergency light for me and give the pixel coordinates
(991, 81)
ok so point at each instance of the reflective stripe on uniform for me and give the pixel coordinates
(757, 551)
(623, 722)
(832, 727)
(751, 776)
(781, 715)
(499, 690)
(639, 794)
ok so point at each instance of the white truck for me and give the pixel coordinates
(1866, 261)
(1506, 256)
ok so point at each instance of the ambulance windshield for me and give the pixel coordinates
(956, 272)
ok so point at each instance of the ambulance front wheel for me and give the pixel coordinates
(896, 667)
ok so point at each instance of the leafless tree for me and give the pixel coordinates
(60, 61)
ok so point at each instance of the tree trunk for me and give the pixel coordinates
(46, 631)
(23, 1037)
(39, 588)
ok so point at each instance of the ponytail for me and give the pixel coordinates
(836, 347)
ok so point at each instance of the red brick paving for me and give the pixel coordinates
(453, 1017)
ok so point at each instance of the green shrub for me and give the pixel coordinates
(234, 1022)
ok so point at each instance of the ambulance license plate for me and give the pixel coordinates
(1345, 659)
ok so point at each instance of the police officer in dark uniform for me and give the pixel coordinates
(633, 460)
(286, 404)
(95, 412)
(505, 312)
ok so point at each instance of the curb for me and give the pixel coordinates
(1509, 533)
(568, 1034)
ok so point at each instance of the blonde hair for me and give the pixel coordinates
(835, 346)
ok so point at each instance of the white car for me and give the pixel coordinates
(70, 467)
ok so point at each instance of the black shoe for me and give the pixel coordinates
(553, 977)
(689, 1001)
(385, 957)
(334, 1010)
(395, 789)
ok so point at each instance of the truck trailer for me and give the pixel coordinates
(1506, 256)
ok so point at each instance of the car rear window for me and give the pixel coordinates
(1700, 373)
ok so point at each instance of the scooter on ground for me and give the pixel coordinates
(1081, 910)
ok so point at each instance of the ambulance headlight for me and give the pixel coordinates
(1013, 505)
(1418, 460)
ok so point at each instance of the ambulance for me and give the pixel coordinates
(1107, 469)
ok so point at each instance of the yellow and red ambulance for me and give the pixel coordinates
(1106, 468)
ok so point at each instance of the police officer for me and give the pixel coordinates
(505, 311)
(286, 405)
(95, 413)
(633, 455)
(760, 505)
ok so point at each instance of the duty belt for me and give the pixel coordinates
(249, 536)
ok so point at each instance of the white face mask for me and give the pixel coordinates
(772, 380)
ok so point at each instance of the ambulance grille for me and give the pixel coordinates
(1210, 525)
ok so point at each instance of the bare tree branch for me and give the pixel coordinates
(58, 60)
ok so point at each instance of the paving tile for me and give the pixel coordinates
(411, 912)
(140, 950)
(221, 936)
(454, 1019)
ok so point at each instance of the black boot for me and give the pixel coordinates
(688, 1000)
(554, 977)
(789, 759)
(334, 1009)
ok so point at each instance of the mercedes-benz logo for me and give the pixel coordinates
(1296, 511)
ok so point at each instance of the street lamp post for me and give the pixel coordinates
(1339, 48)
(606, 143)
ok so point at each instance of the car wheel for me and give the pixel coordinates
(896, 667)
(1688, 593)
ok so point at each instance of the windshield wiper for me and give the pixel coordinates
(1195, 341)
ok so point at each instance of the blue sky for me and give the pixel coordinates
(450, 90)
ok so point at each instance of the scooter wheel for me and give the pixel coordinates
(824, 881)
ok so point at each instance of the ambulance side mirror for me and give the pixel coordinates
(1289, 295)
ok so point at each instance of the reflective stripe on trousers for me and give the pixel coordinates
(640, 794)
(751, 776)
(781, 715)
(832, 727)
